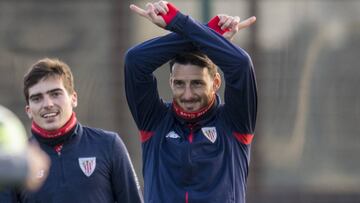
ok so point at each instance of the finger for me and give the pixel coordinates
(246, 23)
(138, 10)
(222, 19)
(163, 4)
(234, 23)
(160, 8)
(150, 11)
(227, 23)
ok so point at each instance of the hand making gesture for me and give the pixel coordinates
(158, 12)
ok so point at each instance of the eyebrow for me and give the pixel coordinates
(197, 80)
(47, 92)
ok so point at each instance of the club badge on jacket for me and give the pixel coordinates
(87, 165)
(210, 133)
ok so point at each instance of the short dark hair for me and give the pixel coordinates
(45, 68)
(195, 58)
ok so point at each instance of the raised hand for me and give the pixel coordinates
(153, 12)
(233, 24)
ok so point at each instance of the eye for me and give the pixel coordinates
(197, 83)
(55, 94)
(178, 83)
(35, 99)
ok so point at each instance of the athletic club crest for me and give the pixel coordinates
(87, 165)
(210, 133)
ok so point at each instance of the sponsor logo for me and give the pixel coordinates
(173, 135)
(87, 165)
(210, 133)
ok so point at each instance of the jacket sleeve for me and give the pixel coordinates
(125, 183)
(240, 85)
(141, 61)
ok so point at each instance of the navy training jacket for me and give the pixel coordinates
(212, 166)
(93, 167)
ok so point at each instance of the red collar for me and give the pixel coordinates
(191, 115)
(56, 133)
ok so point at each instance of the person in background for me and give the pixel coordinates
(87, 164)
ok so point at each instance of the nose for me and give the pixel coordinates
(48, 102)
(188, 93)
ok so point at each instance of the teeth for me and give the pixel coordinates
(49, 115)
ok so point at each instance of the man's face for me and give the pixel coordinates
(192, 86)
(50, 105)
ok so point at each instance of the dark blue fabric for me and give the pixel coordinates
(174, 168)
(113, 179)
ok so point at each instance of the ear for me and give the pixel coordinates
(74, 100)
(28, 111)
(171, 81)
(217, 82)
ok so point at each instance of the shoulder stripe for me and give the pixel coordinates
(244, 138)
(145, 135)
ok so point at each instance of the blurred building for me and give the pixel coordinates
(305, 54)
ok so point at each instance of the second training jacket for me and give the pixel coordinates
(92, 167)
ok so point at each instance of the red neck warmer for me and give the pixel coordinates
(192, 115)
(55, 133)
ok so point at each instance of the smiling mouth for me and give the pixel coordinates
(189, 101)
(189, 104)
(50, 115)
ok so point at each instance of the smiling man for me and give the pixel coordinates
(87, 164)
(194, 80)
(195, 148)
(50, 102)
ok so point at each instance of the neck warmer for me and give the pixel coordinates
(55, 137)
(193, 117)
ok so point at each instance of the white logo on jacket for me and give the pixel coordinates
(87, 165)
(172, 134)
(40, 173)
(210, 133)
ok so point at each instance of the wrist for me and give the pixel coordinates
(170, 15)
(214, 24)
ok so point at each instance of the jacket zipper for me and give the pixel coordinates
(190, 139)
(58, 151)
(191, 136)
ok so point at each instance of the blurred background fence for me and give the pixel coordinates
(306, 55)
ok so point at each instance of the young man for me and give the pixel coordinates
(195, 149)
(87, 164)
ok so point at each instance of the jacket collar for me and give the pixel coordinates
(202, 117)
(68, 144)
